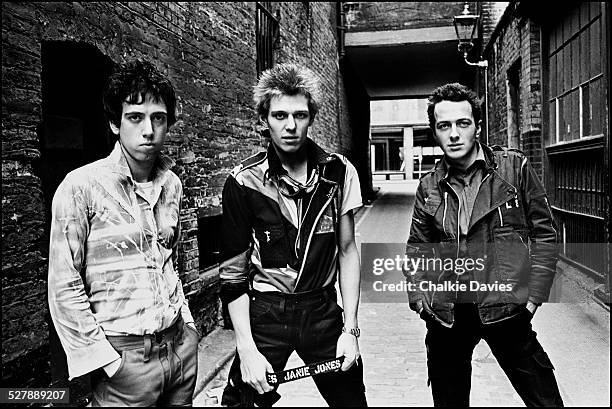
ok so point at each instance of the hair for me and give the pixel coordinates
(453, 92)
(286, 79)
(131, 83)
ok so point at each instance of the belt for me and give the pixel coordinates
(128, 342)
(302, 298)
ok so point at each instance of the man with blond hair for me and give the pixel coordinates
(288, 233)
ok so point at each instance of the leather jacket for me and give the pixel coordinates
(511, 231)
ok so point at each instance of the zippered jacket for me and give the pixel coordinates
(261, 247)
(512, 234)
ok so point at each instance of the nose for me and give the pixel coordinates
(454, 134)
(148, 127)
(290, 123)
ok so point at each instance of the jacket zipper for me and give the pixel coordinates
(310, 236)
(297, 240)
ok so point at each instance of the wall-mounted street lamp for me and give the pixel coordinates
(465, 27)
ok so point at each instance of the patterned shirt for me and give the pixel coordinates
(111, 258)
(274, 243)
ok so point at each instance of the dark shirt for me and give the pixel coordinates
(466, 184)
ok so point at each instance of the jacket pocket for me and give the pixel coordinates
(512, 262)
(273, 246)
(432, 203)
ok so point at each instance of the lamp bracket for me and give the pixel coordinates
(482, 64)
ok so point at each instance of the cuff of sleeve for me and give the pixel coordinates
(90, 358)
(352, 207)
(186, 314)
(534, 301)
(229, 292)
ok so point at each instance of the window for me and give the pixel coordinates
(576, 85)
(266, 33)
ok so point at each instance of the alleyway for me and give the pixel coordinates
(576, 337)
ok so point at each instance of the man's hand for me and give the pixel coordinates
(253, 366)
(112, 368)
(531, 307)
(419, 307)
(347, 346)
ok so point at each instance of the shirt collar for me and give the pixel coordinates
(479, 161)
(117, 163)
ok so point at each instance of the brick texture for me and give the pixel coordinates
(208, 51)
(518, 41)
(379, 16)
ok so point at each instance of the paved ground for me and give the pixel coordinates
(576, 337)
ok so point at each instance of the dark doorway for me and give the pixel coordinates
(72, 133)
(514, 105)
(74, 130)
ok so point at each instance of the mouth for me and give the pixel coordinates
(455, 146)
(290, 139)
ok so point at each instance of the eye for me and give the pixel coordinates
(301, 115)
(279, 115)
(134, 117)
(464, 124)
(159, 118)
(443, 125)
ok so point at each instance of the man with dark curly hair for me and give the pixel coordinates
(485, 210)
(114, 293)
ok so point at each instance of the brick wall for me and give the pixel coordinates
(208, 51)
(379, 16)
(490, 13)
(517, 40)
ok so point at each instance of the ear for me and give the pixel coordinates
(113, 128)
(478, 129)
(264, 121)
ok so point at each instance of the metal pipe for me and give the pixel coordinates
(482, 64)
(486, 94)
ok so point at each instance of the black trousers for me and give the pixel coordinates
(309, 324)
(514, 345)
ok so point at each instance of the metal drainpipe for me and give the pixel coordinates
(486, 101)
(341, 29)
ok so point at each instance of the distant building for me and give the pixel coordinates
(401, 52)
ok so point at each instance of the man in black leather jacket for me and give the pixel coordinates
(487, 241)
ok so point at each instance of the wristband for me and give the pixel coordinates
(330, 365)
(353, 331)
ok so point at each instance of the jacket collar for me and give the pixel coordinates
(442, 168)
(315, 155)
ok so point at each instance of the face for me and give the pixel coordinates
(143, 129)
(455, 131)
(288, 120)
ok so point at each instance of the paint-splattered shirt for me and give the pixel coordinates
(111, 258)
